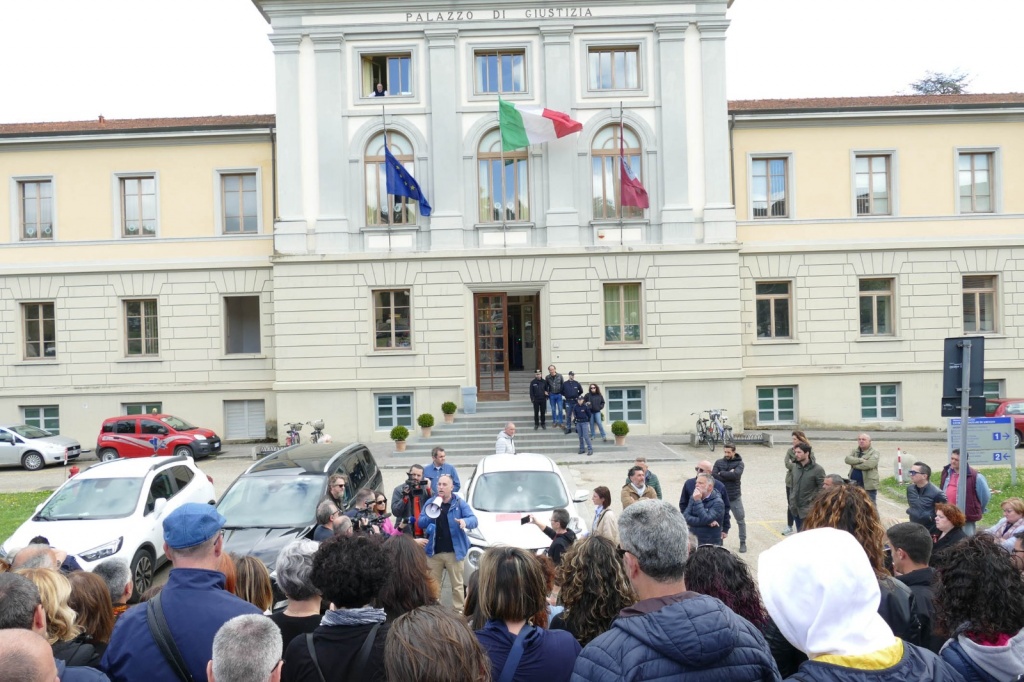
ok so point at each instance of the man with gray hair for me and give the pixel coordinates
(671, 633)
(118, 577)
(705, 511)
(327, 514)
(26, 657)
(294, 569)
(245, 649)
(832, 480)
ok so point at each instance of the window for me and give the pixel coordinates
(142, 408)
(614, 68)
(239, 203)
(879, 401)
(606, 171)
(871, 183)
(392, 320)
(498, 71)
(776, 404)
(383, 208)
(394, 410)
(876, 307)
(161, 488)
(979, 303)
(626, 404)
(504, 189)
(40, 331)
(35, 203)
(993, 388)
(773, 303)
(138, 206)
(242, 324)
(140, 323)
(391, 71)
(622, 313)
(768, 192)
(46, 418)
(182, 476)
(974, 174)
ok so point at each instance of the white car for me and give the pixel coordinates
(33, 448)
(116, 509)
(503, 489)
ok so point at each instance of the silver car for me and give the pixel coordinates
(33, 448)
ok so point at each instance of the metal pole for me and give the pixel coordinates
(621, 161)
(501, 169)
(965, 408)
(387, 201)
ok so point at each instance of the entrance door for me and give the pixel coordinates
(491, 349)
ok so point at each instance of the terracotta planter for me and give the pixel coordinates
(426, 431)
(620, 440)
(399, 446)
(449, 419)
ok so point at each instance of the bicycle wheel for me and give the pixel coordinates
(711, 438)
(701, 432)
(728, 436)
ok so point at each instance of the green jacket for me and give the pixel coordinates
(807, 482)
(787, 461)
(867, 463)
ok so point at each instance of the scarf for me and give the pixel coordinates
(367, 615)
(640, 490)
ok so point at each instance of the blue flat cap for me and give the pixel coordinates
(191, 524)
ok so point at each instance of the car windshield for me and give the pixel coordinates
(273, 501)
(177, 424)
(519, 491)
(26, 431)
(93, 498)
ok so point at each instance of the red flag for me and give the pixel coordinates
(632, 193)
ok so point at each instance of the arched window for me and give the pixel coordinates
(381, 207)
(606, 171)
(514, 201)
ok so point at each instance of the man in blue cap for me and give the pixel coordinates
(194, 604)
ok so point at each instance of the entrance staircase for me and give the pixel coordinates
(474, 434)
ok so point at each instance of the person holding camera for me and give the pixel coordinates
(408, 501)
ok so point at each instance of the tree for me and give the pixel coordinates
(937, 83)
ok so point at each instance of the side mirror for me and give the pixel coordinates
(581, 496)
(158, 505)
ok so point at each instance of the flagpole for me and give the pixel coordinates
(384, 124)
(501, 169)
(622, 147)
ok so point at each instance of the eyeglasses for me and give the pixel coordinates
(1017, 551)
(382, 501)
(701, 471)
(337, 513)
(913, 473)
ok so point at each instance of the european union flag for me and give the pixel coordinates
(401, 184)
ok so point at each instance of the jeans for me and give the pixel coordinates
(873, 494)
(969, 528)
(789, 514)
(596, 419)
(584, 433)
(736, 506)
(556, 409)
(447, 561)
(540, 409)
(799, 523)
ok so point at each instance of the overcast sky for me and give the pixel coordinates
(72, 60)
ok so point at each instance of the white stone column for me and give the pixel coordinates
(446, 186)
(332, 225)
(562, 218)
(290, 227)
(677, 226)
(719, 212)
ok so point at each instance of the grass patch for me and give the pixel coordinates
(998, 481)
(16, 507)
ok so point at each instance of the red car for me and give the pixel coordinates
(1008, 407)
(145, 435)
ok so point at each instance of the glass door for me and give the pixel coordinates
(490, 313)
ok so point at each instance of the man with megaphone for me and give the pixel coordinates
(445, 520)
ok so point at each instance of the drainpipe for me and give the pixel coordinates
(273, 171)
(732, 159)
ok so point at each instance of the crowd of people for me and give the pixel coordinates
(650, 593)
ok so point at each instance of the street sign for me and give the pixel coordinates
(989, 439)
(953, 367)
(951, 406)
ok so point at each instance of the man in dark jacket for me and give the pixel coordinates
(729, 470)
(911, 548)
(704, 467)
(408, 501)
(194, 601)
(808, 477)
(571, 389)
(670, 634)
(922, 497)
(539, 398)
(554, 381)
(561, 535)
(705, 511)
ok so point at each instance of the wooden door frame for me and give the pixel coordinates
(481, 394)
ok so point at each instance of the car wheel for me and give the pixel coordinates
(183, 451)
(32, 461)
(1017, 439)
(142, 567)
(108, 455)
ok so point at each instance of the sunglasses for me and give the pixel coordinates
(382, 501)
(913, 473)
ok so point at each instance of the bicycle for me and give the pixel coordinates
(720, 427)
(705, 432)
(318, 430)
(293, 437)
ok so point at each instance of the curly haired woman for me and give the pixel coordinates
(979, 605)
(848, 507)
(594, 588)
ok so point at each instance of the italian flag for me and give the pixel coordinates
(523, 125)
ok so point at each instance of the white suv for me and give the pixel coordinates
(116, 509)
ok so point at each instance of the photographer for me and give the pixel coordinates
(408, 500)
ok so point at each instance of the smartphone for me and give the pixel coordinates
(525, 520)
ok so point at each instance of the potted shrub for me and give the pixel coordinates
(399, 434)
(619, 430)
(426, 421)
(448, 407)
